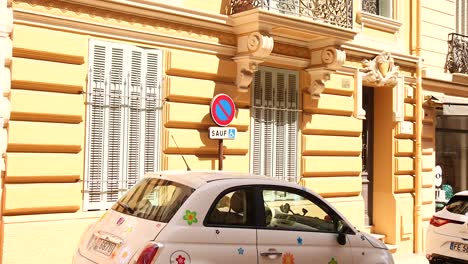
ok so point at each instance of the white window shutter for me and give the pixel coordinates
(153, 109)
(123, 120)
(115, 123)
(257, 125)
(274, 123)
(280, 126)
(95, 126)
(268, 124)
(292, 128)
(134, 120)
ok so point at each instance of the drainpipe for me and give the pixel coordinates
(418, 130)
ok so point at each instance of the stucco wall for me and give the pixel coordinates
(438, 20)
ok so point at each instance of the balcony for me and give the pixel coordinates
(457, 56)
(333, 12)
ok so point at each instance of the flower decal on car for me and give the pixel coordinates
(288, 258)
(180, 260)
(190, 217)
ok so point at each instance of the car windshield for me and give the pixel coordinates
(153, 199)
(458, 205)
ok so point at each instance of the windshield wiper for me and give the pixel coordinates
(126, 207)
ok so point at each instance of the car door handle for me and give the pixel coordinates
(271, 254)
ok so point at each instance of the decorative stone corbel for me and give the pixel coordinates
(323, 63)
(382, 72)
(252, 49)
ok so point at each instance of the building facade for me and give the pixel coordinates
(445, 82)
(329, 94)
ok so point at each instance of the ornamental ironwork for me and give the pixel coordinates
(370, 6)
(335, 12)
(457, 56)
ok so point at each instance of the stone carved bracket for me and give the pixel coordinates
(252, 49)
(323, 63)
(381, 71)
(318, 77)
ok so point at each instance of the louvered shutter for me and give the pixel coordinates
(134, 119)
(153, 108)
(123, 120)
(268, 123)
(94, 169)
(104, 125)
(292, 127)
(115, 123)
(274, 123)
(280, 126)
(257, 125)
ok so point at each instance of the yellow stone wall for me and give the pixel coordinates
(330, 136)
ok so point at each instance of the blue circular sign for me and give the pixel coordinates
(222, 109)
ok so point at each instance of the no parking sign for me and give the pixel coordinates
(222, 109)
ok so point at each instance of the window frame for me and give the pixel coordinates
(310, 197)
(281, 107)
(384, 8)
(252, 219)
(136, 108)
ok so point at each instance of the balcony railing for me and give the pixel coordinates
(457, 57)
(335, 12)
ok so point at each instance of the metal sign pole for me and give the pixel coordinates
(220, 152)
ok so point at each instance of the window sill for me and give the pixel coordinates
(378, 22)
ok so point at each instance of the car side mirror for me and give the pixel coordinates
(341, 238)
(342, 229)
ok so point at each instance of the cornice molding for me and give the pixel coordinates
(378, 22)
(157, 10)
(263, 20)
(146, 37)
(403, 59)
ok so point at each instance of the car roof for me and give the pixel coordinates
(195, 179)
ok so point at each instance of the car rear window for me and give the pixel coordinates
(153, 199)
(458, 205)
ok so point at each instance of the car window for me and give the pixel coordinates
(293, 211)
(232, 209)
(458, 205)
(153, 199)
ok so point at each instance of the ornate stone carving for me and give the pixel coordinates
(252, 49)
(323, 63)
(318, 77)
(381, 71)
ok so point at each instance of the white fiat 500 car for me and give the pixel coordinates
(222, 217)
(447, 235)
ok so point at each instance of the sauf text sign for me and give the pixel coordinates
(222, 132)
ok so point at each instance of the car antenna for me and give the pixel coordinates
(186, 164)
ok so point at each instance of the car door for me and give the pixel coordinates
(298, 228)
(230, 231)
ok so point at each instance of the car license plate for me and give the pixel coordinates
(460, 247)
(102, 246)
